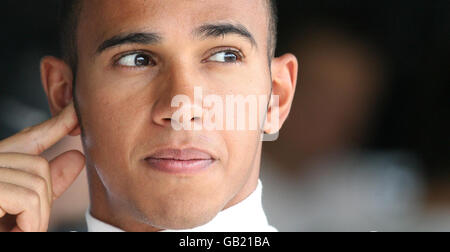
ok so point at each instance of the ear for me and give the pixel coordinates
(57, 78)
(284, 81)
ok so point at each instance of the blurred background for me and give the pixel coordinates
(366, 147)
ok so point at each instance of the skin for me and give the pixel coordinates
(28, 182)
(124, 111)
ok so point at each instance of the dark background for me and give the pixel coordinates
(415, 36)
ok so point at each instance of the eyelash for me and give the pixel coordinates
(237, 52)
(119, 57)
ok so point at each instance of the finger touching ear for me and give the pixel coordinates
(57, 80)
(284, 81)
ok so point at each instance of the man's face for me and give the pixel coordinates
(124, 92)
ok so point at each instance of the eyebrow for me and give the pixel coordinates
(223, 29)
(130, 38)
(204, 31)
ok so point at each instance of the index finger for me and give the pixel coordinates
(37, 139)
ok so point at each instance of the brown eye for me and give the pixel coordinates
(225, 57)
(142, 60)
(135, 60)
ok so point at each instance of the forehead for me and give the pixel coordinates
(100, 19)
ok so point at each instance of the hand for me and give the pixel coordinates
(28, 182)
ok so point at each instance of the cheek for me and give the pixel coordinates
(242, 147)
(110, 120)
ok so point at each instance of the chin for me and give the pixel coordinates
(179, 214)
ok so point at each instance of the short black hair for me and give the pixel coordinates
(70, 11)
(273, 26)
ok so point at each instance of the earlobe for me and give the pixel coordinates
(57, 78)
(284, 81)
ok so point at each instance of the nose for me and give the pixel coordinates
(179, 92)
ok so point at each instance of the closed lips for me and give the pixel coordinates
(180, 160)
(181, 155)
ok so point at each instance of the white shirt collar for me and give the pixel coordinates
(247, 216)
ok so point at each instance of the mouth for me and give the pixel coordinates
(180, 161)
